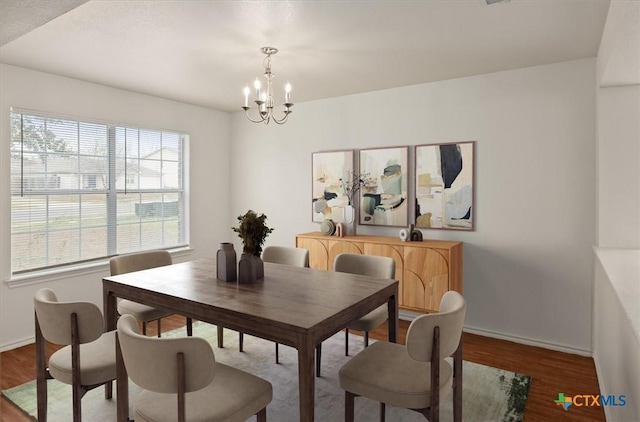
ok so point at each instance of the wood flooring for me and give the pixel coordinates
(552, 373)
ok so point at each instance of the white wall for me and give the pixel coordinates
(616, 311)
(616, 345)
(528, 265)
(619, 167)
(209, 133)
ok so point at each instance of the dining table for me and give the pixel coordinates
(298, 307)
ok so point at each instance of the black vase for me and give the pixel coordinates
(226, 262)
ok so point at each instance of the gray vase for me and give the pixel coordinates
(226, 262)
(250, 269)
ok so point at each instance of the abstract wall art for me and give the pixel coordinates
(383, 198)
(329, 170)
(444, 186)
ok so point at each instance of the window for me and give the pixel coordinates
(83, 190)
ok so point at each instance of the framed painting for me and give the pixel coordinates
(329, 171)
(444, 186)
(383, 197)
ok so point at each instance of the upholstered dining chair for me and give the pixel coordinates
(371, 265)
(375, 266)
(88, 358)
(182, 381)
(416, 376)
(297, 257)
(137, 262)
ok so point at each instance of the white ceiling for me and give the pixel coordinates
(204, 52)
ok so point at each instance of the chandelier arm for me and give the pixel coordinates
(246, 112)
(284, 118)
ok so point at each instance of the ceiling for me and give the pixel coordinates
(204, 52)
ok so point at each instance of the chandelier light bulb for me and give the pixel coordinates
(246, 95)
(287, 92)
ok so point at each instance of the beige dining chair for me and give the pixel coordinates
(137, 262)
(374, 266)
(182, 381)
(88, 358)
(416, 376)
(370, 265)
(297, 257)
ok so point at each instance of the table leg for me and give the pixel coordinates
(110, 310)
(306, 382)
(392, 306)
(220, 336)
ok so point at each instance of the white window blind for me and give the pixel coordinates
(83, 190)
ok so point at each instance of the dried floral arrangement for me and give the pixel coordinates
(253, 231)
(352, 186)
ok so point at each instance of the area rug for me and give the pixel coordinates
(489, 394)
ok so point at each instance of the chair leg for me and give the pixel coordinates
(318, 358)
(261, 416)
(382, 412)
(159, 328)
(348, 406)
(366, 339)
(241, 342)
(277, 353)
(144, 328)
(346, 342)
(457, 384)
(77, 403)
(41, 371)
(189, 327)
(434, 407)
(76, 387)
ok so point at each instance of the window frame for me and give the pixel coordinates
(89, 185)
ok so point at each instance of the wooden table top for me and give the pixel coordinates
(291, 298)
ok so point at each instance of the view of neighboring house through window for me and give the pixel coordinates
(83, 190)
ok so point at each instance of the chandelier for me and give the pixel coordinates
(264, 99)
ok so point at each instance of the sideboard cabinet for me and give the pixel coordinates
(425, 270)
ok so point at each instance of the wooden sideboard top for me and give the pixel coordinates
(387, 240)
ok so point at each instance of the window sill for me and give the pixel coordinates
(53, 274)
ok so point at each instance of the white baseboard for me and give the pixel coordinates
(529, 342)
(409, 316)
(16, 344)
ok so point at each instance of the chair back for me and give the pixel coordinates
(139, 261)
(370, 265)
(298, 257)
(54, 318)
(450, 319)
(152, 362)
